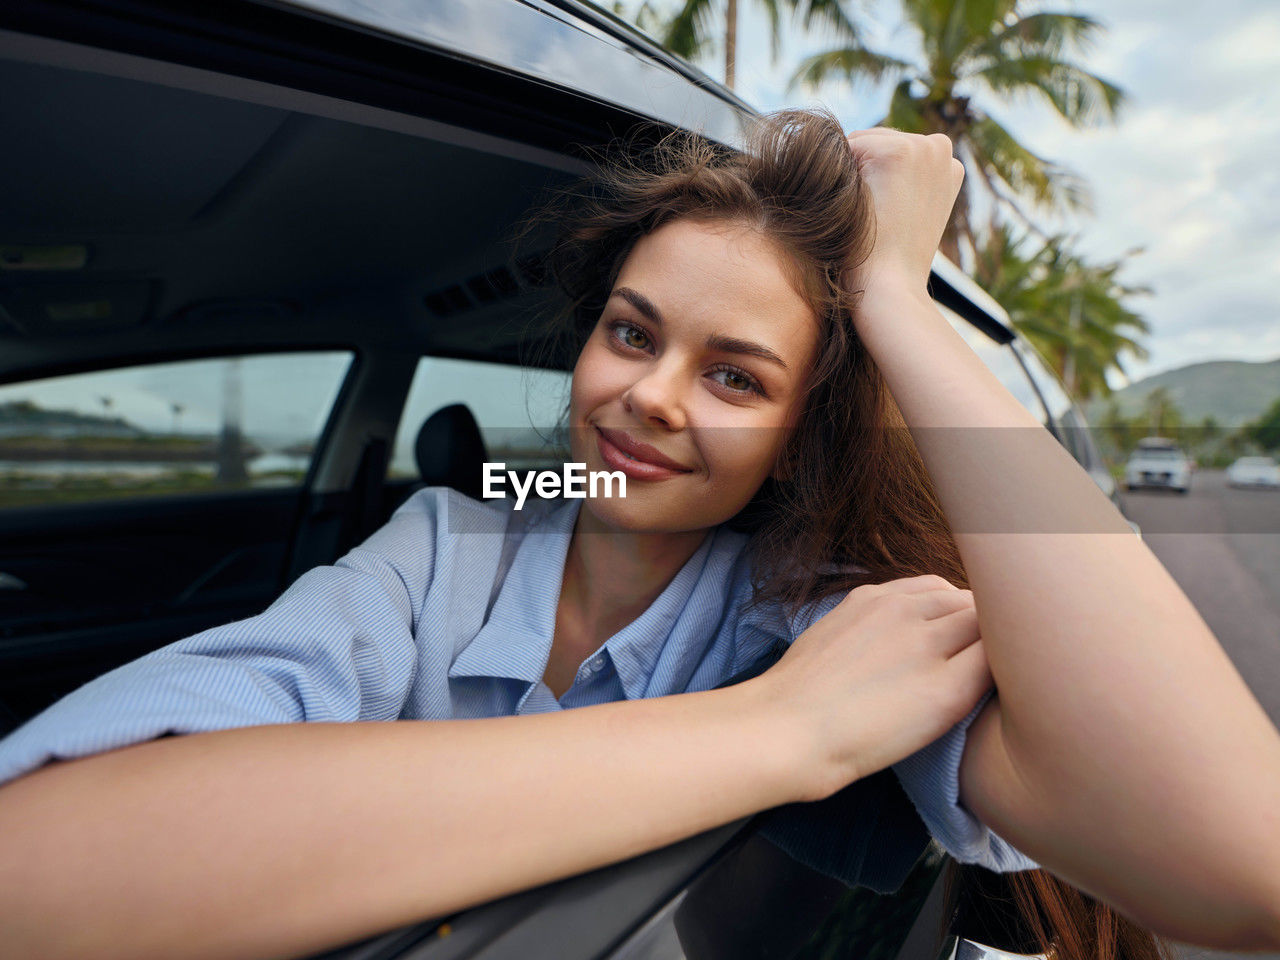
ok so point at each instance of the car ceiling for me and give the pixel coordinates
(194, 207)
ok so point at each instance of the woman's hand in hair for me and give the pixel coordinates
(914, 181)
(886, 672)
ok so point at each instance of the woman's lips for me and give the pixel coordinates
(636, 468)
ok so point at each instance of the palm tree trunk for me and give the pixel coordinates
(730, 42)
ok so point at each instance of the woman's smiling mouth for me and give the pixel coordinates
(637, 460)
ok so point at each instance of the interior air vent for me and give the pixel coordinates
(482, 289)
(494, 285)
(503, 281)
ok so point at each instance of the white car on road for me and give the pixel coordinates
(1158, 462)
(1254, 472)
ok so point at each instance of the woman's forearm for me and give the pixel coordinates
(281, 840)
(1155, 771)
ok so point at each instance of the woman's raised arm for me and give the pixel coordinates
(1124, 751)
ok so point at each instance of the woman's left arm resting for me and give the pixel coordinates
(1124, 752)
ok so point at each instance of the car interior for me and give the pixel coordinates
(203, 227)
(272, 250)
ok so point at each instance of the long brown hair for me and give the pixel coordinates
(858, 506)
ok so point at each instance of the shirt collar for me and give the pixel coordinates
(637, 647)
(515, 641)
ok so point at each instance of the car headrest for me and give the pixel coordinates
(450, 450)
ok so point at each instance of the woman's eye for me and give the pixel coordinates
(738, 382)
(631, 335)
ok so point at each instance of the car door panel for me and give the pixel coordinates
(102, 585)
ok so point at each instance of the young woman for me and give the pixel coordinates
(740, 323)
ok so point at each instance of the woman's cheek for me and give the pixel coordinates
(586, 387)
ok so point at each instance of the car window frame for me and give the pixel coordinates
(132, 359)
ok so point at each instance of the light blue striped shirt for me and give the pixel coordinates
(449, 611)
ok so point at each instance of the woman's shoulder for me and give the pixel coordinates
(790, 620)
(447, 510)
(435, 527)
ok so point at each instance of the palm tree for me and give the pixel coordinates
(697, 24)
(646, 16)
(975, 48)
(1071, 310)
(1162, 411)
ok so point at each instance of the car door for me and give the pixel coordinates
(140, 504)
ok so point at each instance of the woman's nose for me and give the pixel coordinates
(656, 398)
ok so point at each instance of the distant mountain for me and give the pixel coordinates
(25, 418)
(1231, 391)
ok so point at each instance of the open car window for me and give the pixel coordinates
(165, 429)
(518, 410)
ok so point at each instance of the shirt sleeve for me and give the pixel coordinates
(336, 645)
(931, 778)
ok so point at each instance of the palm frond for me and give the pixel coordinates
(1048, 185)
(688, 32)
(850, 64)
(906, 112)
(775, 27)
(1081, 98)
(1072, 310)
(831, 15)
(968, 23)
(1041, 34)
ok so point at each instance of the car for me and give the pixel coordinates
(1254, 472)
(1158, 462)
(252, 261)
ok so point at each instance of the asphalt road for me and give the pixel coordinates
(1222, 545)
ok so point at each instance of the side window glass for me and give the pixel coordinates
(1054, 396)
(1075, 435)
(169, 429)
(1001, 361)
(517, 408)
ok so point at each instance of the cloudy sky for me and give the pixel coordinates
(1191, 173)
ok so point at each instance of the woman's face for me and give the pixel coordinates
(700, 355)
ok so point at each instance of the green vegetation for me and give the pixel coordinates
(693, 29)
(27, 413)
(46, 438)
(27, 490)
(1206, 440)
(1072, 311)
(1265, 431)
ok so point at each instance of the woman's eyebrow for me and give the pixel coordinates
(714, 342)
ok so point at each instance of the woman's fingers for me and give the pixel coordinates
(928, 581)
(970, 676)
(855, 134)
(941, 603)
(956, 631)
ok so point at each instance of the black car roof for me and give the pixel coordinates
(573, 45)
